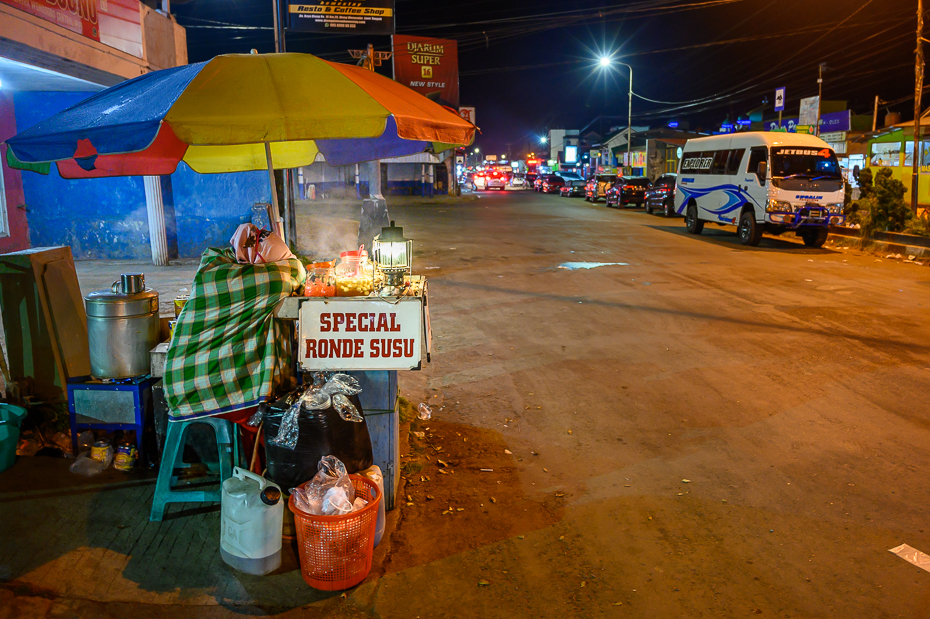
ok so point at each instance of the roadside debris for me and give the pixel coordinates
(424, 412)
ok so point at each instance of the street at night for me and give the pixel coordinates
(474, 310)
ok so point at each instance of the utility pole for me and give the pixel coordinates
(918, 87)
(875, 115)
(823, 66)
(369, 58)
(276, 10)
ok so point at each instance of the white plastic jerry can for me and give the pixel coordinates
(252, 513)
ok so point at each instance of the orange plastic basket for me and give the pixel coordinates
(335, 551)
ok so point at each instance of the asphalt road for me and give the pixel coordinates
(736, 431)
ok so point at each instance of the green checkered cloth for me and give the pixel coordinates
(228, 351)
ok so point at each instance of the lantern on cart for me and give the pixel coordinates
(392, 254)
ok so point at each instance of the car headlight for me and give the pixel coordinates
(778, 206)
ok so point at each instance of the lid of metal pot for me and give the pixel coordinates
(106, 304)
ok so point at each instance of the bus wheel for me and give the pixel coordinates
(694, 225)
(750, 232)
(814, 238)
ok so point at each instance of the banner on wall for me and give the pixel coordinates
(636, 159)
(342, 17)
(428, 66)
(117, 23)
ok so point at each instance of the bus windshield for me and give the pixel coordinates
(805, 162)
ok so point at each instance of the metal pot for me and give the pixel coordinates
(122, 328)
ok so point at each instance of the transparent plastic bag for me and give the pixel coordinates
(342, 383)
(287, 433)
(329, 493)
(256, 419)
(87, 466)
(346, 409)
(314, 399)
(424, 412)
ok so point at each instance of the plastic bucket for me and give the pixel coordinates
(335, 551)
(10, 419)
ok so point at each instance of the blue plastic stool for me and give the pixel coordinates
(227, 445)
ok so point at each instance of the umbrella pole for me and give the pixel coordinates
(274, 194)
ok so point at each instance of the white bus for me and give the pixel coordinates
(761, 182)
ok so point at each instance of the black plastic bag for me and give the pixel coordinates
(321, 433)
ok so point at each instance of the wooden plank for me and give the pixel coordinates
(69, 322)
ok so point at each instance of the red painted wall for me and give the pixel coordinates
(13, 180)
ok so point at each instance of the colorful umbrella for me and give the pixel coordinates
(239, 112)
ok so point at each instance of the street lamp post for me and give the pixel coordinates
(606, 61)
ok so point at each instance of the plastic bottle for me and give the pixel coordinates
(250, 526)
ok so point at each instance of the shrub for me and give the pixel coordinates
(881, 206)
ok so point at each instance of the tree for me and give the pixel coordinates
(881, 205)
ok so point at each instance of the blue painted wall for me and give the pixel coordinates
(106, 217)
(98, 218)
(209, 207)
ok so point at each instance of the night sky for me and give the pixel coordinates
(532, 66)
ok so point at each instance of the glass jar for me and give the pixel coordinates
(321, 280)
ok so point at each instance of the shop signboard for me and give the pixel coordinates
(117, 23)
(810, 108)
(428, 66)
(363, 334)
(468, 113)
(835, 121)
(780, 99)
(834, 137)
(369, 17)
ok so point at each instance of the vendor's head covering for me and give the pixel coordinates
(255, 246)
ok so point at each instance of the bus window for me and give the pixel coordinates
(720, 162)
(757, 154)
(736, 158)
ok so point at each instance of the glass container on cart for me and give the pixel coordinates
(354, 274)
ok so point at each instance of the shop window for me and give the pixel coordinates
(885, 154)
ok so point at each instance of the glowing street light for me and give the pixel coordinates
(604, 62)
(543, 139)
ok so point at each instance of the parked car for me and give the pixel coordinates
(628, 190)
(551, 183)
(489, 179)
(530, 178)
(572, 189)
(518, 180)
(661, 197)
(598, 185)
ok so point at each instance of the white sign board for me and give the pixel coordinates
(468, 113)
(810, 110)
(779, 99)
(360, 335)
